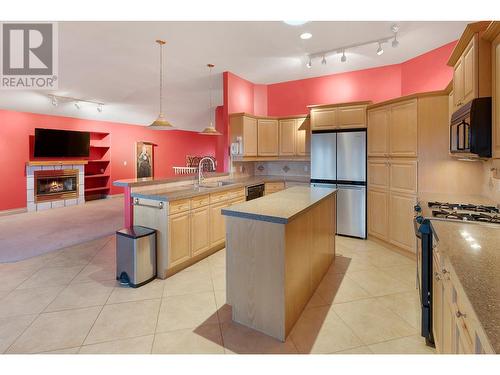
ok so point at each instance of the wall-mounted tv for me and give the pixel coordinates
(61, 143)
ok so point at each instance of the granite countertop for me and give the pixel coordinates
(189, 191)
(280, 207)
(477, 268)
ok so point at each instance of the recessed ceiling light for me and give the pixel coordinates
(295, 22)
(306, 36)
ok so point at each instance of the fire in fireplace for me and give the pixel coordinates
(56, 184)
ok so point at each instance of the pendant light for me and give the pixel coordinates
(161, 123)
(210, 130)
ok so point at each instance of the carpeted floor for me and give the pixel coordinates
(30, 234)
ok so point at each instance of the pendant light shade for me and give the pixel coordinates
(161, 122)
(210, 130)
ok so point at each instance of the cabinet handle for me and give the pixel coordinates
(137, 203)
(459, 314)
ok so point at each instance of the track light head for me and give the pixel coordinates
(395, 42)
(343, 58)
(55, 102)
(394, 28)
(323, 60)
(380, 50)
(78, 105)
(99, 107)
(309, 63)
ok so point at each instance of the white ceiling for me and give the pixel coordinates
(117, 62)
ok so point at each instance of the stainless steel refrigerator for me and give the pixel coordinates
(338, 159)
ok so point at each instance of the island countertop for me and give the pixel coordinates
(280, 207)
(477, 268)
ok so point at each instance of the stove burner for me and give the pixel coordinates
(464, 207)
(466, 216)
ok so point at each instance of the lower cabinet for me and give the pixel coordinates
(217, 224)
(273, 187)
(200, 230)
(179, 238)
(378, 214)
(401, 213)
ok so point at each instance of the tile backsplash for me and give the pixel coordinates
(283, 168)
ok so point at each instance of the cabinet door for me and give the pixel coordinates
(403, 176)
(470, 76)
(324, 118)
(273, 187)
(496, 97)
(288, 131)
(403, 129)
(378, 131)
(448, 323)
(200, 230)
(437, 306)
(378, 174)
(267, 137)
(458, 83)
(303, 137)
(217, 224)
(249, 136)
(179, 249)
(352, 117)
(378, 213)
(401, 212)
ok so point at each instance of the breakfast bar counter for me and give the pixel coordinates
(278, 248)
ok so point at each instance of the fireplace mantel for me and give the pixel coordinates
(56, 162)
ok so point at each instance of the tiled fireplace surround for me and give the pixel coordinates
(30, 187)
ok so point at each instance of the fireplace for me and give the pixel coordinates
(53, 185)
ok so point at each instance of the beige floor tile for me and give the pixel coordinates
(188, 282)
(378, 283)
(63, 351)
(371, 321)
(201, 266)
(30, 265)
(135, 345)
(345, 264)
(74, 256)
(319, 330)
(28, 301)
(338, 288)
(187, 311)
(406, 305)
(316, 301)
(239, 339)
(406, 345)
(224, 311)
(205, 339)
(219, 278)
(359, 350)
(388, 258)
(218, 259)
(11, 328)
(82, 295)
(56, 330)
(151, 290)
(11, 279)
(51, 276)
(406, 274)
(96, 272)
(124, 320)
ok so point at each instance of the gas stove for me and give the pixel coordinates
(465, 212)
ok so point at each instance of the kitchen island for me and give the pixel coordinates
(278, 248)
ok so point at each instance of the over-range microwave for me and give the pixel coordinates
(470, 129)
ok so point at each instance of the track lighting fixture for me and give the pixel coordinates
(395, 29)
(380, 50)
(55, 102)
(77, 102)
(323, 60)
(343, 58)
(99, 107)
(77, 105)
(309, 63)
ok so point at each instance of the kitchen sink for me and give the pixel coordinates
(212, 185)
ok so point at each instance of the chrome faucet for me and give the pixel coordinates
(200, 168)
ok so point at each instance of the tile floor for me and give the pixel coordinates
(67, 301)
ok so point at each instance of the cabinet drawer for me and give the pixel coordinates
(200, 201)
(219, 196)
(179, 206)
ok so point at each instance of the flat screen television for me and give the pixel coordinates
(61, 143)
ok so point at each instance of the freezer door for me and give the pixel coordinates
(351, 210)
(351, 156)
(323, 156)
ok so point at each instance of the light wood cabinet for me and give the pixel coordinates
(437, 303)
(217, 224)
(246, 128)
(200, 230)
(378, 132)
(458, 84)
(378, 174)
(403, 129)
(401, 212)
(465, 75)
(378, 214)
(273, 187)
(179, 239)
(352, 117)
(323, 118)
(288, 137)
(303, 142)
(496, 96)
(403, 176)
(267, 137)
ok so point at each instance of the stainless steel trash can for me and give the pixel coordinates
(135, 255)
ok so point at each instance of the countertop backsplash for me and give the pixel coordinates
(283, 168)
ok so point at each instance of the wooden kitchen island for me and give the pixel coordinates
(278, 248)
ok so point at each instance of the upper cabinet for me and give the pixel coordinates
(303, 134)
(244, 127)
(471, 62)
(338, 116)
(294, 137)
(267, 137)
(392, 130)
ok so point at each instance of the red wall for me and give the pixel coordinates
(16, 128)
(427, 72)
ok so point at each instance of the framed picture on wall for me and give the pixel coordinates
(144, 159)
